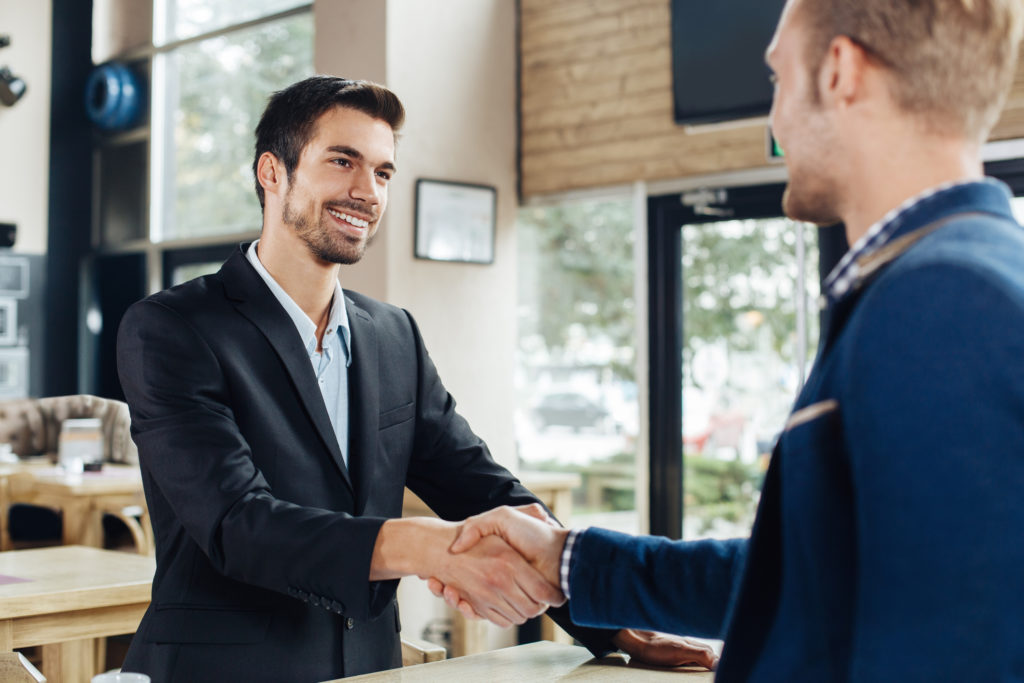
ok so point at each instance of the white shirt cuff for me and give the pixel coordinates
(563, 573)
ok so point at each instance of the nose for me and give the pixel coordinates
(365, 188)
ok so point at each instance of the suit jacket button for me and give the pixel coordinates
(350, 623)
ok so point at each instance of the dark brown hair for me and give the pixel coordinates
(288, 122)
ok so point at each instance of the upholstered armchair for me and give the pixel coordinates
(32, 426)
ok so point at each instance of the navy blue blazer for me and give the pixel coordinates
(886, 544)
(263, 534)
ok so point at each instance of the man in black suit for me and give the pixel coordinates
(278, 419)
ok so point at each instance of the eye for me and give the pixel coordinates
(384, 175)
(341, 161)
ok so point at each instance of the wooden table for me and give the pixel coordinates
(554, 489)
(541, 662)
(64, 597)
(82, 498)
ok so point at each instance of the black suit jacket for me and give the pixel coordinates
(263, 534)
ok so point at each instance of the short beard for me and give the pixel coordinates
(811, 204)
(322, 242)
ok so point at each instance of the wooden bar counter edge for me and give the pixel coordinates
(536, 662)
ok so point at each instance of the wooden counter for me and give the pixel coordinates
(64, 597)
(537, 662)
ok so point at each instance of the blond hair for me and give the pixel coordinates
(952, 61)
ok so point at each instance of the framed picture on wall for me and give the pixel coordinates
(8, 322)
(455, 221)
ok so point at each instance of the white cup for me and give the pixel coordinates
(116, 677)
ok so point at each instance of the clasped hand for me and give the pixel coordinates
(492, 579)
(529, 530)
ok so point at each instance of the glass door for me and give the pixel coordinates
(747, 342)
(734, 326)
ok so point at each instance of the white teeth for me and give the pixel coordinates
(358, 222)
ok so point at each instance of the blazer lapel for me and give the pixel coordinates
(243, 285)
(363, 401)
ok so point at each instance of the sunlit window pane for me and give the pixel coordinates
(744, 282)
(178, 19)
(1018, 209)
(576, 377)
(216, 90)
(193, 270)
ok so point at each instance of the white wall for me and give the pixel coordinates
(25, 127)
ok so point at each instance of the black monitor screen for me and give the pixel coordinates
(718, 68)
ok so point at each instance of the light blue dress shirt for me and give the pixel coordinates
(331, 365)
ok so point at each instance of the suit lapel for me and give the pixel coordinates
(243, 285)
(363, 401)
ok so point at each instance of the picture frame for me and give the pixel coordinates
(8, 322)
(455, 221)
(14, 276)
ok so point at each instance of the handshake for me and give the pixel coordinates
(525, 547)
(504, 565)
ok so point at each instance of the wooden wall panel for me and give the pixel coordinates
(596, 101)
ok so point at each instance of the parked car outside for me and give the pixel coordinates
(569, 409)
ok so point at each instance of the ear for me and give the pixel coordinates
(841, 79)
(271, 174)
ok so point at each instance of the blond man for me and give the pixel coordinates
(885, 545)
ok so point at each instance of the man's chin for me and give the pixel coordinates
(814, 209)
(345, 254)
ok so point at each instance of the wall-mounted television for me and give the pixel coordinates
(718, 69)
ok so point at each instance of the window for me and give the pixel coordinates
(208, 70)
(208, 100)
(576, 374)
(1018, 209)
(181, 19)
(747, 345)
(175, 194)
(733, 331)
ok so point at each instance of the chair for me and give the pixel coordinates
(32, 426)
(415, 651)
(14, 668)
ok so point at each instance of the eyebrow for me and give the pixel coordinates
(356, 154)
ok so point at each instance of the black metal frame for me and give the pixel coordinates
(70, 192)
(665, 217)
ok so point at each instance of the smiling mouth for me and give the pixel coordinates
(350, 219)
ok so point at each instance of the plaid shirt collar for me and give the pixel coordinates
(846, 272)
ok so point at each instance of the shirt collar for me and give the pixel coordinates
(338, 319)
(846, 272)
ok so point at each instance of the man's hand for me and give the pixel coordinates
(492, 578)
(659, 649)
(528, 529)
(540, 542)
(533, 533)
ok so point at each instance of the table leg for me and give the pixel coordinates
(72, 661)
(6, 635)
(80, 525)
(5, 508)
